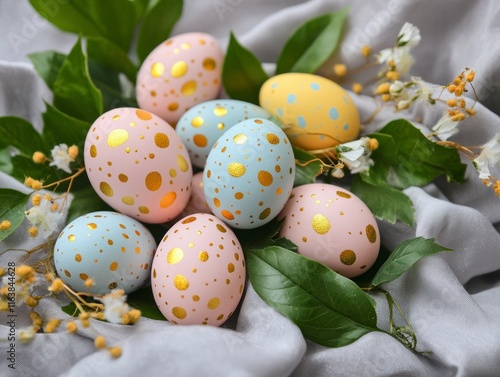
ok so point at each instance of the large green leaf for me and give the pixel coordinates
(157, 24)
(311, 44)
(20, 134)
(307, 167)
(242, 73)
(406, 157)
(74, 92)
(114, 20)
(12, 208)
(143, 300)
(384, 202)
(47, 65)
(405, 256)
(329, 309)
(85, 201)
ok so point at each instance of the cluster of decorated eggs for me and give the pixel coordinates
(206, 165)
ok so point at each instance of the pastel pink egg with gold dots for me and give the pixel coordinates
(197, 202)
(138, 165)
(333, 226)
(180, 73)
(198, 272)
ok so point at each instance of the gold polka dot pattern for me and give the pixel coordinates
(200, 267)
(333, 226)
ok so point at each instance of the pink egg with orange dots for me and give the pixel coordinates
(138, 165)
(198, 272)
(179, 73)
(333, 226)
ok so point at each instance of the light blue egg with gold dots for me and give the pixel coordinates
(201, 126)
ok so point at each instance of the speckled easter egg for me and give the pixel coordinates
(197, 202)
(112, 249)
(201, 126)
(198, 272)
(138, 165)
(178, 74)
(333, 226)
(317, 113)
(249, 173)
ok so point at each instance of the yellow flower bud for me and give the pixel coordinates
(451, 102)
(56, 286)
(24, 271)
(386, 97)
(73, 151)
(5, 224)
(459, 91)
(383, 88)
(36, 184)
(33, 231)
(461, 103)
(39, 158)
(54, 207)
(357, 88)
(470, 111)
(470, 76)
(100, 342)
(71, 327)
(366, 51)
(340, 69)
(52, 325)
(36, 200)
(31, 302)
(452, 88)
(36, 320)
(89, 283)
(373, 144)
(115, 351)
(392, 75)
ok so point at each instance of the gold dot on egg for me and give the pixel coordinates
(213, 303)
(91, 226)
(110, 242)
(209, 173)
(123, 178)
(209, 64)
(221, 228)
(128, 200)
(172, 173)
(116, 117)
(216, 202)
(153, 181)
(67, 273)
(304, 239)
(161, 140)
(277, 168)
(117, 137)
(152, 93)
(320, 224)
(265, 178)
(151, 155)
(347, 257)
(106, 189)
(175, 255)
(220, 126)
(197, 122)
(144, 210)
(113, 266)
(78, 258)
(143, 114)
(239, 195)
(220, 316)
(173, 106)
(93, 151)
(203, 256)
(236, 169)
(272, 139)
(168, 199)
(182, 163)
(227, 214)
(137, 250)
(200, 140)
(265, 214)
(157, 69)
(230, 268)
(189, 88)
(112, 285)
(343, 194)
(71, 237)
(179, 312)
(84, 276)
(179, 69)
(181, 282)
(240, 138)
(371, 233)
(220, 111)
(188, 220)
(236, 256)
(196, 298)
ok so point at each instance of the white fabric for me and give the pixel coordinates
(452, 299)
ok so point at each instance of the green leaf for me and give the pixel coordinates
(157, 24)
(307, 167)
(85, 201)
(20, 134)
(261, 237)
(12, 208)
(143, 300)
(114, 20)
(312, 43)
(23, 166)
(386, 203)
(59, 127)
(70, 309)
(74, 92)
(5, 161)
(111, 56)
(405, 157)
(329, 309)
(47, 65)
(405, 256)
(242, 73)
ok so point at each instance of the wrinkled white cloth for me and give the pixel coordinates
(451, 299)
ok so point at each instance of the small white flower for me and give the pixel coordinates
(489, 156)
(22, 290)
(445, 127)
(408, 36)
(42, 217)
(26, 334)
(396, 88)
(60, 158)
(400, 56)
(404, 104)
(355, 155)
(115, 305)
(423, 90)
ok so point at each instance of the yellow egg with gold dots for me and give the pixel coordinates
(316, 112)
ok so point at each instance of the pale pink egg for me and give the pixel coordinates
(138, 165)
(197, 202)
(180, 73)
(333, 226)
(198, 272)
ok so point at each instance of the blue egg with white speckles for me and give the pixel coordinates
(201, 126)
